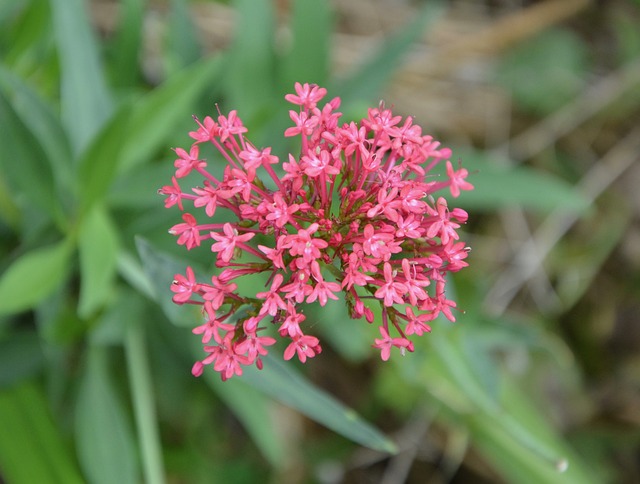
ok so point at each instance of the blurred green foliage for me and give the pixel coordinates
(94, 358)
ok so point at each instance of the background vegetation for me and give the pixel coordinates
(541, 101)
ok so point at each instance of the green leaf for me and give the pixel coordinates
(99, 163)
(249, 76)
(182, 44)
(86, 100)
(522, 445)
(31, 446)
(277, 380)
(498, 185)
(98, 246)
(24, 163)
(124, 50)
(517, 439)
(157, 113)
(43, 123)
(283, 383)
(27, 36)
(142, 392)
(104, 440)
(33, 276)
(160, 269)
(20, 356)
(371, 77)
(8, 9)
(252, 408)
(308, 59)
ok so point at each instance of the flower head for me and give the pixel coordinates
(355, 212)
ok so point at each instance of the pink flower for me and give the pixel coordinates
(314, 165)
(417, 324)
(306, 95)
(273, 301)
(291, 325)
(207, 198)
(303, 124)
(302, 244)
(226, 243)
(355, 211)
(254, 345)
(229, 126)
(386, 343)
(391, 292)
(458, 180)
(174, 194)
(305, 346)
(188, 161)
(206, 132)
(323, 290)
(189, 233)
(280, 211)
(216, 292)
(184, 287)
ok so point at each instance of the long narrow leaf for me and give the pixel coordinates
(277, 380)
(86, 101)
(143, 393)
(31, 446)
(24, 163)
(126, 46)
(308, 60)
(99, 163)
(251, 407)
(286, 385)
(250, 74)
(157, 113)
(499, 186)
(98, 247)
(104, 439)
(20, 356)
(42, 121)
(33, 276)
(182, 44)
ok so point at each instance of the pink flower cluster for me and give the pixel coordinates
(353, 213)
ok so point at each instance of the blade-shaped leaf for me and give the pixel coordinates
(286, 385)
(308, 60)
(517, 438)
(523, 446)
(142, 391)
(99, 163)
(104, 439)
(498, 185)
(182, 44)
(98, 247)
(124, 50)
(20, 356)
(31, 446)
(277, 380)
(24, 163)
(252, 408)
(33, 276)
(160, 270)
(86, 100)
(157, 113)
(43, 123)
(250, 73)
